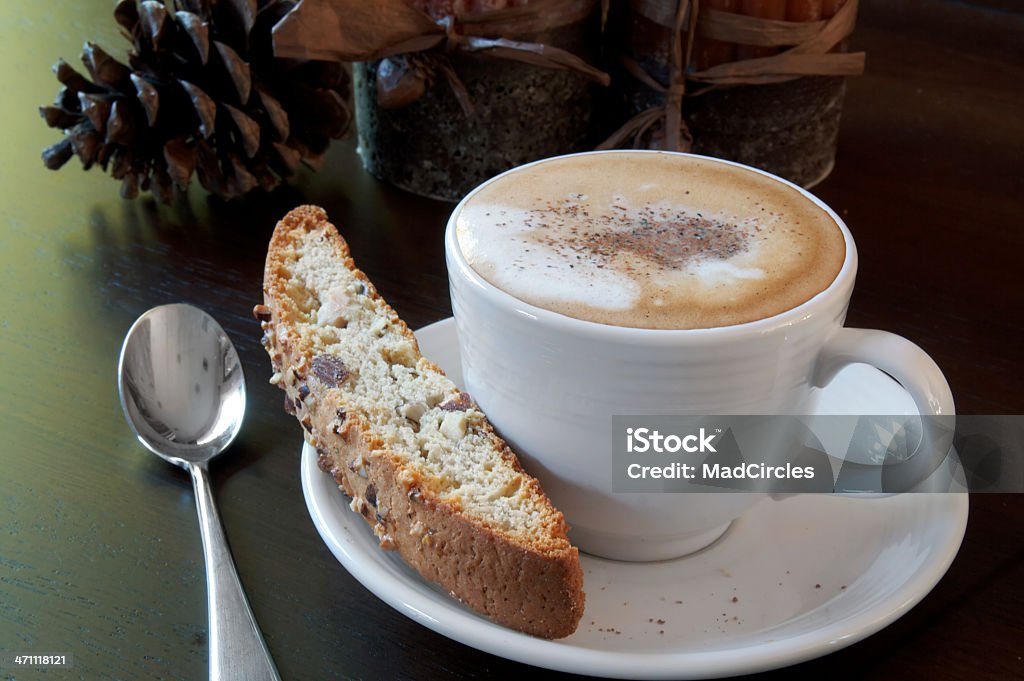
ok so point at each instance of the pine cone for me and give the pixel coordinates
(202, 93)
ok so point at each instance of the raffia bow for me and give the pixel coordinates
(361, 30)
(809, 55)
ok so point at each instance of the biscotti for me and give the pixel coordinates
(419, 460)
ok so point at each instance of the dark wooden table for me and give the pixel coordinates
(99, 548)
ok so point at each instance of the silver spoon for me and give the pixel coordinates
(183, 393)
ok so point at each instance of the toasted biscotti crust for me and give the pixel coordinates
(532, 586)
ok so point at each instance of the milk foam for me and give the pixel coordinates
(536, 271)
(650, 240)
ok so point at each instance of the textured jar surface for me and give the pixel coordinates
(521, 113)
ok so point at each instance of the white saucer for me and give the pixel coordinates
(790, 581)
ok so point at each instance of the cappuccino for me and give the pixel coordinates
(650, 240)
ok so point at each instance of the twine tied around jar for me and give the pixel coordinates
(809, 54)
(357, 30)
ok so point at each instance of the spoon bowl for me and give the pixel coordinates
(181, 384)
(183, 393)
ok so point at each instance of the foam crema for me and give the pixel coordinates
(650, 240)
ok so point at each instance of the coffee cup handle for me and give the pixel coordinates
(898, 357)
(903, 360)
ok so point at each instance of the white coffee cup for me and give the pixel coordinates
(551, 383)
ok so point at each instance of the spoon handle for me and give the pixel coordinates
(237, 649)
